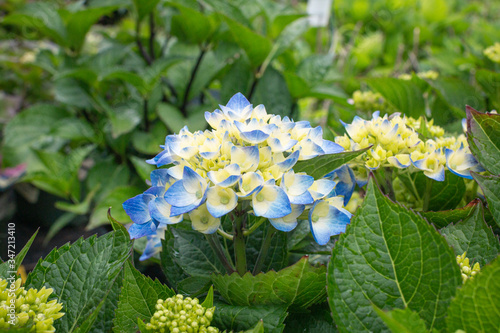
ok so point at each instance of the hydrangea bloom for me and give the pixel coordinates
(179, 314)
(30, 307)
(395, 143)
(246, 159)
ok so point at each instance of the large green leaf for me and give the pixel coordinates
(392, 258)
(404, 96)
(82, 276)
(272, 91)
(491, 189)
(476, 307)
(458, 93)
(319, 319)
(104, 320)
(7, 267)
(483, 131)
(137, 299)
(490, 82)
(319, 166)
(402, 321)
(143, 8)
(474, 236)
(192, 252)
(172, 270)
(41, 16)
(277, 255)
(192, 25)
(445, 217)
(299, 286)
(256, 46)
(237, 318)
(113, 200)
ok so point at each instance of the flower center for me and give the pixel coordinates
(204, 220)
(224, 200)
(198, 194)
(315, 218)
(246, 187)
(260, 197)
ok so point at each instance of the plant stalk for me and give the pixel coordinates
(264, 249)
(219, 252)
(239, 245)
(427, 194)
(185, 99)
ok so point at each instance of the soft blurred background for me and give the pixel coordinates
(89, 89)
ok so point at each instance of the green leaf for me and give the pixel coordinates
(142, 168)
(171, 117)
(476, 307)
(191, 25)
(137, 299)
(104, 321)
(289, 35)
(149, 142)
(483, 135)
(209, 300)
(193, 254)
(71, 92)
(402, 321)
(491, 189)
(58, 224)
(392, 258)
(319, 319)
(80, 22)
(256, 46)
(445, 217)
(474, 236)
(404, 96)
(124, 119)
(105, 176)
(458, 93)
(259, 328)
(82, 275)
(172, 270)
(5, 267)
(298, 286)
(113, 200)
(194, 286)
(277, 257)
(272, 91)
(41, 16)
(319, 166)
(490, 82)
(59, 173)
(240, 318)
(143, 8)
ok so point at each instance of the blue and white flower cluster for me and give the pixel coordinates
(395, 143)
(246, 160)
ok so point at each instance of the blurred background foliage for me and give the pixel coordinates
(89, 89)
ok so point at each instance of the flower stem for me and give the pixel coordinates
(239, 245)
(225, 234)
(264, 249)
(427, 194)
(219, 252)
(254, 226)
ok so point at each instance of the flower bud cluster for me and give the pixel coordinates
(468, 272)
(245, 161)
(20, 307)
(396, 143)
(493, 52)
(429, 75)
(178, 314)
(368, 101)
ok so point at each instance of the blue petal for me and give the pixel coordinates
(330, 147)
(137, 209)
(177, 195)
(290, 161)
(277, 208)
(141, 230)
(303, 199)
(346, 183)
(238, 102)
(255, 136)
(160, 177)
(437, 176)
(160, 211)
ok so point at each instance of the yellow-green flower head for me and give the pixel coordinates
(178, 314)
(248, 156)
(395, 142)
(493, 53)
(430, 75)
(468, 272)
(27, 308)
(368, 101)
